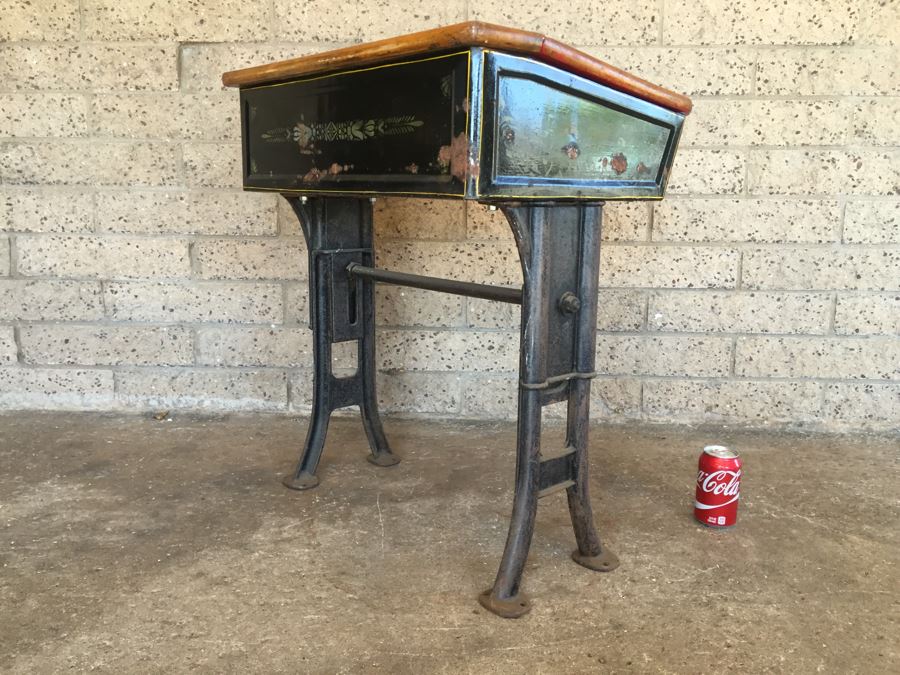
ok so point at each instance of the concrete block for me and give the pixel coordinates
(4, 257)
(844, 358)
(826, 172)
(177, 212)
(868, 315)
(87, 345)
(40, 114)
(213, 165)
(438, 219)
(483, 223)
(195, 21)
(296, 304)
(89, 163)
(878, 23)
(748, 122)
(101, 257)
(349, 21)
(626, 221)
(615, 398)
(754, 220)
(877, 122)
(397, 306)
(669, 355)
(443, 351)
(489, 314)
(213, 116)
(621, 309)
(739, 312)
(490, 397)
(8, 348)
(868, 222)
(55, 389)
(196, 301)
(204, 389)
(868, 405)
(668, 266)
(821, 269)
(694, 71)
(431, 393)
(707, 172)
(620, 23)
(250, 259)
(46, 20)
(828, 72)
(49, 300)
(255, 346)
(96, 67)
(737, 22)
(755, 403)
(201, 65)
(489, 263)
(46, 210)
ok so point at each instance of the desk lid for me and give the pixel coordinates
(467, 34)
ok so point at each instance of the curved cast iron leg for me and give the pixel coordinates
(505, 599)
(381, 454)
(304, 475)
(589, 553)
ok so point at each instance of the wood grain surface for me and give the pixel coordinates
(461, 35)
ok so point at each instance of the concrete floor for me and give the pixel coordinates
(135, 545)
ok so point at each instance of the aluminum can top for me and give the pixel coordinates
(720, 451)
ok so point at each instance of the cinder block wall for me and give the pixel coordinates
(764, 290)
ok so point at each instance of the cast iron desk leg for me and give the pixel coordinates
(338, 231)
(559, 248)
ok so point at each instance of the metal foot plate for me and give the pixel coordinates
(304, 481)
(511, 608)
(606, 561)
(383, 459)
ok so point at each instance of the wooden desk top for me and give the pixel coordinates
(468, 34)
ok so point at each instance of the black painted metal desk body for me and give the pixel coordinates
(509, 129)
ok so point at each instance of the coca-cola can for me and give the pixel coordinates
(718, 486)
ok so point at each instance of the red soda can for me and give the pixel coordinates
(718, 486)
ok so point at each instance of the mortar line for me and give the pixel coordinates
(832, 313)
(662, 18)
(733, 364)
(17, 340)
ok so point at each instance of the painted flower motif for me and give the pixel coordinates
(302, 135)
(571, 150)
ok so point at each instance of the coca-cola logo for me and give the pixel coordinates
(721, 482)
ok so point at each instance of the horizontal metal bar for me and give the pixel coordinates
(484, 291)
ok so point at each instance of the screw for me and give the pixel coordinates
(372, 200)
(492, 207)
(303, 199)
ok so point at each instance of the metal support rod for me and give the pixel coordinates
(484, 291)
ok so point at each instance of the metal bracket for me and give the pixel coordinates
(556, 379)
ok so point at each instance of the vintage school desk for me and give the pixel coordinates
(507, 118)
